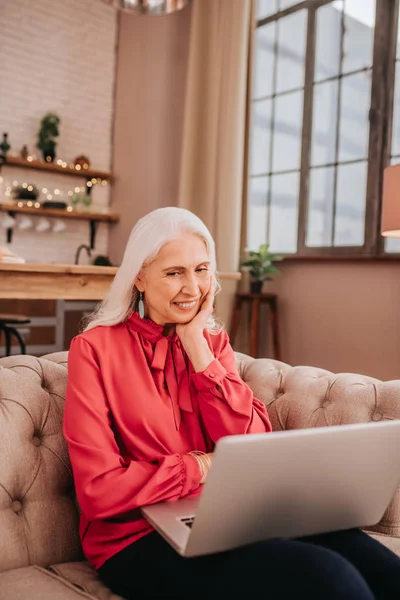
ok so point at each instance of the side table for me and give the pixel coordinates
(255, 301)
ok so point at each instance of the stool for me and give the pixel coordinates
(255, 301)
(6, 325)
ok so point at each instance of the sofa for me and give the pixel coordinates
(40, 553)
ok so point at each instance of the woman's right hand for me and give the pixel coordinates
(204, 461)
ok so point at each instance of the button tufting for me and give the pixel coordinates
(36, 441)
(16, 506)
(377, 417)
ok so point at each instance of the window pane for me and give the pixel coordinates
(396, 114)
(260, 136)
(263, 72)
(287, 3)
(287, 132)
(350, 204)
(327, 50)
(320, 207)
(358, 43)
(324, 123)
(284, 212)
(292, 34)
(266, 7)
(354, 123)
(257, 212)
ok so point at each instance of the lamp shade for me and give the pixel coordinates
(148, 7)
(390, 222)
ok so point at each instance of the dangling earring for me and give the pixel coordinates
(141, 305)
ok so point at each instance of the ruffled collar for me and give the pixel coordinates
(167, 361)
(148, 329)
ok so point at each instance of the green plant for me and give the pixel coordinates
(47, 132)
(260, 263)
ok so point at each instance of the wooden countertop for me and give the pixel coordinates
(48, 281)
(57, 268)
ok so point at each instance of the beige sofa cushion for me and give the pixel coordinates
(85, 577)
(35, 583)
(38, 516)
(391, 542)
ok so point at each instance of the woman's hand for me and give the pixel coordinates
(195, 327)
(191, 334)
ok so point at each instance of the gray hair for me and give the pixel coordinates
(147, 238)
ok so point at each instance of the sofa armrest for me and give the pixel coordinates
(300, 397)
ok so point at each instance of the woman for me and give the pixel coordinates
(152, 386)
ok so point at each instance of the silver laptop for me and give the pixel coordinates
(286, 484)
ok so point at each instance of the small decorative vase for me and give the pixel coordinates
(5, 146)
(256, 286)
(24, 152)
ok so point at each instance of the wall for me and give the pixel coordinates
(151, 70)
(341, 316)
(58, 56)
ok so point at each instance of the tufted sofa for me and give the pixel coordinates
(40, 553)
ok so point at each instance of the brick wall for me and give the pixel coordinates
(57, 55)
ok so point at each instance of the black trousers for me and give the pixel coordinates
(336, 566)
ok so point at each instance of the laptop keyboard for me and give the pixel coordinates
(188, 521)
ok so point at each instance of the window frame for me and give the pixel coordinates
(380, 132)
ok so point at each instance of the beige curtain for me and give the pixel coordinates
(214, 149)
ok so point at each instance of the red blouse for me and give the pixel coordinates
(134, 409)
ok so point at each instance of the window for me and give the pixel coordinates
(318, 125)
(393, 244)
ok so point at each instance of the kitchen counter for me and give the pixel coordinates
(47, 281)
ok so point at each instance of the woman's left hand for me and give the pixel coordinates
(193, 331)
(191, 334)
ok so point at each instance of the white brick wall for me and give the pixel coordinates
(59, 56)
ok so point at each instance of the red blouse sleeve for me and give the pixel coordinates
(106, 483)
(226, 402)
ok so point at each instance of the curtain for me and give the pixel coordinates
(213, 179)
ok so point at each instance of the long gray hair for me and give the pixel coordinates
(147, 238)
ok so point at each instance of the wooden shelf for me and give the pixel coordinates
(41, 165)
(94, 218)
(59, 213)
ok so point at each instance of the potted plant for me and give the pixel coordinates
(259, 264)
(47, 132)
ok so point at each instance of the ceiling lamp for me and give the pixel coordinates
(148, 7)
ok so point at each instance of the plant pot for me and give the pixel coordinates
(49, 156)
(256, 287)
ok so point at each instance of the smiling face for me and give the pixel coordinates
(176, 282)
